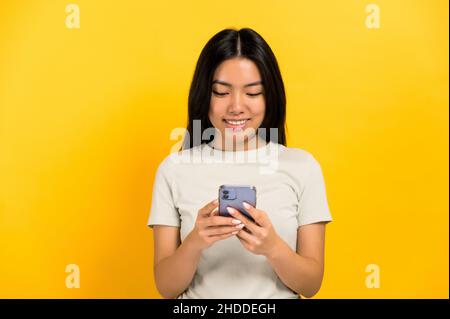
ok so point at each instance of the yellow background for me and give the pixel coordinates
(86, 115)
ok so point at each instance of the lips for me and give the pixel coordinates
(236, 124)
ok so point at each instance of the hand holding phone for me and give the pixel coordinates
(234, 196)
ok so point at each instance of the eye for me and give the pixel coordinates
(220, 93)
(254, 94)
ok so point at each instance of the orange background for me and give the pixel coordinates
(86, 116)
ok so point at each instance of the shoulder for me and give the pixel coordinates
(176, 159)
(298, 157)
(302, 165)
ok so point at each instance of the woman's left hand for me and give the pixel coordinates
(258, 237)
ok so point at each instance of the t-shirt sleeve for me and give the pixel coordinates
(163, 210)
(313, 205)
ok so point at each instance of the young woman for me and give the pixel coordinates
(237, 91)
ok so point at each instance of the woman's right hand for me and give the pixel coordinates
(209, 227)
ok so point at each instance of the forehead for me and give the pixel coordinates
(237, 72)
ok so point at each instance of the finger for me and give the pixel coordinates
(214, 231)
(208, 208)
(247, 222)
(215, 211)
(258, 215)
(223, 236)
(221, 221)
(250, 239)
(244, 243)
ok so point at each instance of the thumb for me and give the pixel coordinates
(215, 212)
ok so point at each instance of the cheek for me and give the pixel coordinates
(216, 111)
(258, 109)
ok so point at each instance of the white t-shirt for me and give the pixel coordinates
(289, 187)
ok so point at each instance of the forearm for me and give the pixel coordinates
(301, 274)
(173, 274)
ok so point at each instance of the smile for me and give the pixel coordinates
(236, 124)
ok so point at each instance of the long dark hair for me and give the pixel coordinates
(227, 44)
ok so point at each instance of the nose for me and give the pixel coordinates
(236, 106)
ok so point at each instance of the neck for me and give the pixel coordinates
(253, 143)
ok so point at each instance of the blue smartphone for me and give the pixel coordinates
(234, 196)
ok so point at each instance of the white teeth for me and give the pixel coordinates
(236, 122)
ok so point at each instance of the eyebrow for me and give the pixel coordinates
(229, 84)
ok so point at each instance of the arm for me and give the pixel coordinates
(175, 264)
(302, 271)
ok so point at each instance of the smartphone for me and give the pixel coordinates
(234, 196)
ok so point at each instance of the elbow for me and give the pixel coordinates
(163, 288)
(311, 291)
(310, 294)
(165, 293)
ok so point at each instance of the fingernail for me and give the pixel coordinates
(235, 232)
(216, 201)
(231, 210)
(246, 205)
(236, 221)
(240, 226)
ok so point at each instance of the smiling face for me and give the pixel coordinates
(237, 103)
